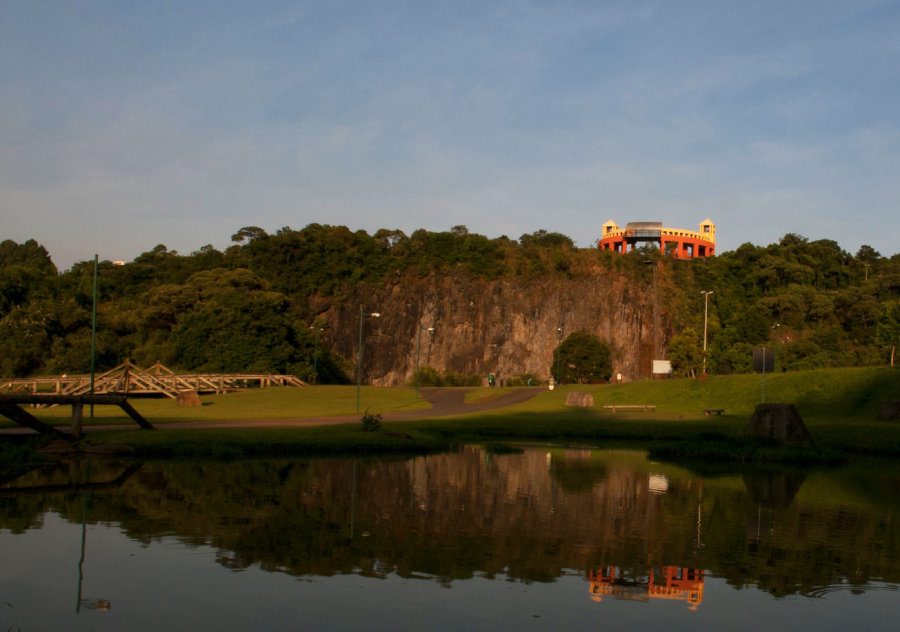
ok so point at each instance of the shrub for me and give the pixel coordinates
(525, 379)
(371, 422)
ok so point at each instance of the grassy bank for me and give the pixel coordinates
(234, 443)
(268, 403)
(822, 395)
(838, 406)
(438, 434)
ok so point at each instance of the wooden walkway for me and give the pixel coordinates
(10, 407)
(130, 379)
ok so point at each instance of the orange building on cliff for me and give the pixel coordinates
(674, 242)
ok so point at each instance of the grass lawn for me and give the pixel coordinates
(822, 395)
(264, 403)
(839, 406)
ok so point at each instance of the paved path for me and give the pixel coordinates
(445, 402)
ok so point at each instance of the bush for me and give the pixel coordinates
(584, 359)
(371, 422)
(428, 376)
(525, 379)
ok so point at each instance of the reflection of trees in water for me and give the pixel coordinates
(454, 515)
(577, 472)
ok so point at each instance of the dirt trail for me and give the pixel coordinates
(445, 402)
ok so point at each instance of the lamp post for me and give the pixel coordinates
(359, 353)
(558, 351)
(316, 355)
(94, 332)
(774, 328)
(418, 343)
(867, 270)
(705, 318)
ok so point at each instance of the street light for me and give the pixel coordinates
(558, 351)
(705, 317)
(359, 353)
(774, 328)
(94, 332)
(418, 342)
(316, 355)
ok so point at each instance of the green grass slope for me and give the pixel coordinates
(264, 403)
(827, 394)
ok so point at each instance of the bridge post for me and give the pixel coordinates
(77, 415)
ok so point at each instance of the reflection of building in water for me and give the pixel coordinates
(668, 582)
(659, 484)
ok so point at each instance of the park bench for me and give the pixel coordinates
(645, 408)
(709, 412)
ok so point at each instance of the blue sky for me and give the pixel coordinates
(128, 124)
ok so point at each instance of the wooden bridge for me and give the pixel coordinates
(130, 379)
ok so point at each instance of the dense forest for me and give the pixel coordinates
(251, 306)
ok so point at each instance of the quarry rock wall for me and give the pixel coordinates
(505, 327)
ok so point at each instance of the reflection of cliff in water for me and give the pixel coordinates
(528, 517)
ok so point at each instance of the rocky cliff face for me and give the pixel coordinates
(505, 327)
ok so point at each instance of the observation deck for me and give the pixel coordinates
(677, 243)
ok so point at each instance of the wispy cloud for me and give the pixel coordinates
(123, 127)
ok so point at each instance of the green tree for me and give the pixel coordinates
(685, 353)
(888, 332)
(582, 357)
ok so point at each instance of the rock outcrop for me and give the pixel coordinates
(584, 400)
(504, 327)
(778, 421)
(188, 398)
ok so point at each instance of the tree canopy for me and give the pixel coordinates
(582, 358)
(249, 306)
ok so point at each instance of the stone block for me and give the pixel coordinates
(188, 398)
(778, 421)
(890, 410)
(585, 400)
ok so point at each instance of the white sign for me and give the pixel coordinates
(663, 367)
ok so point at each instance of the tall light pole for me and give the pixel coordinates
(867, 270)
(558, 351)
(774, 328)
(316, 355)
(705, 318)
(418, 342)
(94, 332)
(362, 315)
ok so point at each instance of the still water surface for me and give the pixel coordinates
(549, 538)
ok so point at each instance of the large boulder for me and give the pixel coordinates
(778, 421)
(585, 400)
(188, 398)
(890, 410)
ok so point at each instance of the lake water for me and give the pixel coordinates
(543, 540)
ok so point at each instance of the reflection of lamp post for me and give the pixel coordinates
(558, 350)
(359, 353)
(418, 343)
(705, 318)
(316, 355)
